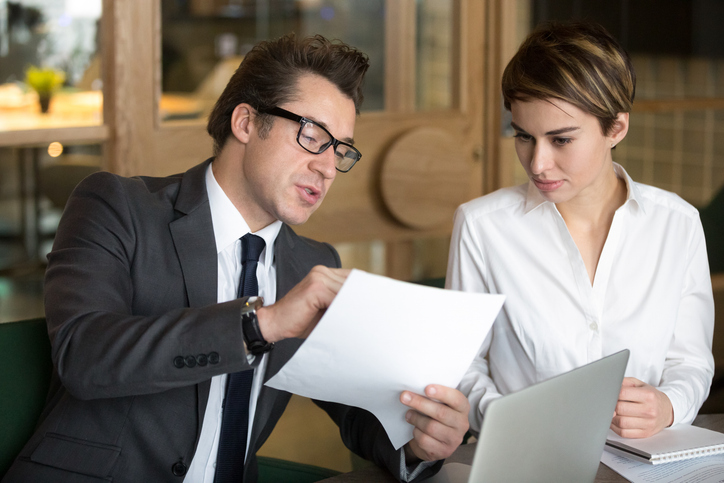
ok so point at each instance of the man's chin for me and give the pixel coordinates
(294, 219)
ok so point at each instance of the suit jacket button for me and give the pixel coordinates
(202, 359)
(179, 469)
(190, 361)
(179, 362)
(214, 357)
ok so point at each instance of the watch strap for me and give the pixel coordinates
(255, 342)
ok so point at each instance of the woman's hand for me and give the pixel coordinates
(641, 411)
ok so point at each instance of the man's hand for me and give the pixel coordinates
(297, 313)
(440, 421)
(641, 411)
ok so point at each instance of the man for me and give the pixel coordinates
(150, 339)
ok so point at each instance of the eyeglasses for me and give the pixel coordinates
(315, 139)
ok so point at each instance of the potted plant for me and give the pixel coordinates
(44, 81)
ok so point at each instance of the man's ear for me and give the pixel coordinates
(619, 128)
(241, 122)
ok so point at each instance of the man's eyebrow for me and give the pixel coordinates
(324, 125)
(549, 133)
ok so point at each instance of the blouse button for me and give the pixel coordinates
(593, 326)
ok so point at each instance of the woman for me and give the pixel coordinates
(590, 261)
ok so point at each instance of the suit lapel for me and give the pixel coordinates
(290, 270)
(193, 238)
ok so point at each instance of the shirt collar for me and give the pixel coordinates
(633, 195)
(228, 223)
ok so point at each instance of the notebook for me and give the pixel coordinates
(672, 444)
(553, 431)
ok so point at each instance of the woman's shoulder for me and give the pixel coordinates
(503, 199)
(661, 199)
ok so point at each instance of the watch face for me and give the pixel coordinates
(252, 303)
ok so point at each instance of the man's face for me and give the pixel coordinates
(283, 180)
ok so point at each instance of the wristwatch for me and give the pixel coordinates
(255, 342)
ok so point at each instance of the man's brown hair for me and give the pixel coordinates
(580, 63)
(268, 75)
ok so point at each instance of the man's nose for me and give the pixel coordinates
(324, 163)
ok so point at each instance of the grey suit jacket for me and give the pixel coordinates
(131, 290)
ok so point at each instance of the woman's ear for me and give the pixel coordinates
(619, 129)
(241, 122)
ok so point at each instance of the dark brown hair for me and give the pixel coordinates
(580, 63)
(268, 75)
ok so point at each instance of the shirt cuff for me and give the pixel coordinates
(409, 473)
(675, 399)
(253, 360)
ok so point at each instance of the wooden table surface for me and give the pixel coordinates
(464, 454)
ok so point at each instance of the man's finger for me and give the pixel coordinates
(426, 424)
(428, 407)
(432, 409)
(449, 396)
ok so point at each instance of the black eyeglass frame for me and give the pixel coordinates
(279, 112)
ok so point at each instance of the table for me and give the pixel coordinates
(464, 454)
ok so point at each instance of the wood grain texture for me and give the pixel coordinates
(424, 177)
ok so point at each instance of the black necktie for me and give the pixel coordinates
(235, 419)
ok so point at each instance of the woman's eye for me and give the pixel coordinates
(522, 137)
(561, 141)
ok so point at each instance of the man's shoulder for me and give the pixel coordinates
(140, 188)
(103, 180)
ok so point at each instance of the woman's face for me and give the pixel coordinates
(563, 149)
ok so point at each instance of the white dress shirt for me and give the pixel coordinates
(651, 294)
(229, 227)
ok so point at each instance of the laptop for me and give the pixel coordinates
(553, 431)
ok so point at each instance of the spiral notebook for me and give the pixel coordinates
(678, 443)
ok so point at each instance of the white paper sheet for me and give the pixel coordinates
(380, 337)
(707, 469)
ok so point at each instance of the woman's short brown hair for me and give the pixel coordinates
(268, 75)
(580, 63)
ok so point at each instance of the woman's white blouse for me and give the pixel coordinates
(651, 294)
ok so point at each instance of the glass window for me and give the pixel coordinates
(49, 61)
(203, 42)
(434, 54)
